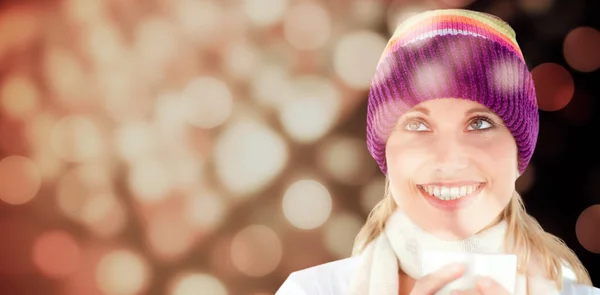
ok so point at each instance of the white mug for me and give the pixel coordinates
(500, 267)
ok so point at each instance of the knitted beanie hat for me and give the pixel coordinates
(453, 53)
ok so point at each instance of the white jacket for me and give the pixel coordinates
(333, 278)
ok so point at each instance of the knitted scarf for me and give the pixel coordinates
(399, 247)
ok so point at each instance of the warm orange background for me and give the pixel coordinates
(212, 147)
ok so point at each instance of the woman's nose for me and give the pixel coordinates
(451, 155)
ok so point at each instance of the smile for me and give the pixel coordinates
(448, 193)
(450, 197)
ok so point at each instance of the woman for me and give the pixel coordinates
(452, 122)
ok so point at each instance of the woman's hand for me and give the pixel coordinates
(485, 286)
(434, 281)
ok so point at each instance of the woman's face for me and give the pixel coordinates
(452, 166)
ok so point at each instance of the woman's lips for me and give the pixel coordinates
(451, 197)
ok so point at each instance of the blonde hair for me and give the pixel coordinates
(529, 240)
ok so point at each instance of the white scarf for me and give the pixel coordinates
(403, 241)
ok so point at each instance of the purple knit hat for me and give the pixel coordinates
(453, 53)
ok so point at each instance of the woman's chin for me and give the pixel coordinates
(449, 228)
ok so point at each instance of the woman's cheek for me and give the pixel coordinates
(407, 155)
(496, 146)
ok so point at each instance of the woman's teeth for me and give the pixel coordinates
(449, 193)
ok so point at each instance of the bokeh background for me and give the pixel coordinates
(189, 147)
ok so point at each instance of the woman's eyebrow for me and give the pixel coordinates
(478, 110)
(418, 110)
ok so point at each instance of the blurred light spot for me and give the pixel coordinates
(464, 60)
(149, 181)
(431, 78)
(65, 75)
(307, 26)
(186, 169)
(236, 25)
(206, 210)
(192, 283)
(156, 42)
(77, 139)
(104, 215)
(504, 76)
(346, 160)
(56, 254)
(256, 251)
(103, 41)
(122, 272)
(340, 232)
(168, 235)
(271, 86)
(265, 12)
(582, 49)
(586, 229)
(525, 181)
(248, 156)
(170, 117)
(307, 204)
(536, 7)
(383, 72)
(84, 10)
(241, 60)
(48, 164)
(15, 252)
(278, 53)
(356, 56)
(400, 13)
(372, 193)
(121, 93)
(368, 13)
(207, 102)
(554, 86)
(19, 97)
(20, 180)
(78, 186)
(312, 111)
(135, 141)
(200, 19)
(39, 132)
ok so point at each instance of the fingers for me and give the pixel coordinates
(487, 286)
(433, 282)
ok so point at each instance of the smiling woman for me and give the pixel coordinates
(443, 149)
(452, 122)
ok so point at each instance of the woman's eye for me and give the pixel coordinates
(415, 126)
(479, 124)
